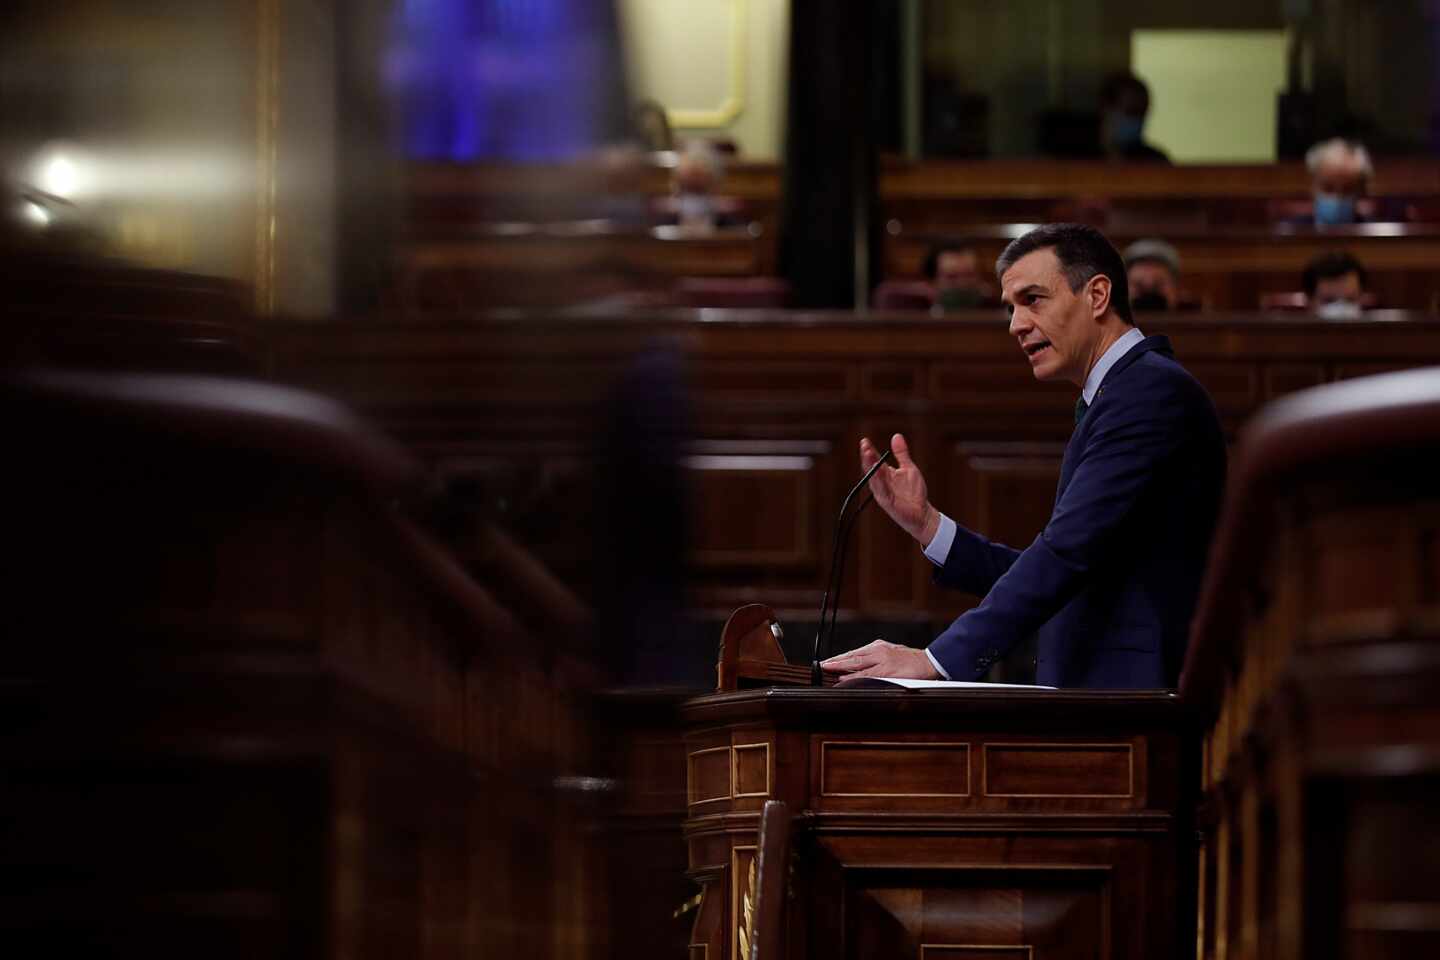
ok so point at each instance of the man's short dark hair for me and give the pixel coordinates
(1329, 266)
(1083, 252)
(931, 266)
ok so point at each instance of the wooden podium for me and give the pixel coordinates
(944, 824)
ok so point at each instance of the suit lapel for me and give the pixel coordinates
(1078, 439)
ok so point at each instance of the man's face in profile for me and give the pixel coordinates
(1152, 286)
(1055, 326)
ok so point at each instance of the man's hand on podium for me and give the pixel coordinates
(901, 491)
(880, 658)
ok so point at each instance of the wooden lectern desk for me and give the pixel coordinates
(945, 824)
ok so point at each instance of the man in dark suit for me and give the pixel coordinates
(1111, 582)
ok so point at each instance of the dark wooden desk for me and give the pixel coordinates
(941, 824)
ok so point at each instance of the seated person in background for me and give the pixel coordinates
(698, 172)
(1153, 269)
(1340, 173)
(1335, 285)
(956, 283)
(1124, 102)
(650, 127)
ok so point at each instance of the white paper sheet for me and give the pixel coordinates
(960, 684)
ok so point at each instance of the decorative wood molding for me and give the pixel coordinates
(1128, 748)
(734, 101)
(693, 782)
(898, 745)
(267, 128)
(735, 784)
(739, 880)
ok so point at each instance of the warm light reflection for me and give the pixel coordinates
(35, 215)
(175, 173)
(60, 177)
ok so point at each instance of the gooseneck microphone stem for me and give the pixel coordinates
(837, 554)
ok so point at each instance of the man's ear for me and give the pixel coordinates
(1098, 291)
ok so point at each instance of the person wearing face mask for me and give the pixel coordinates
(1124, 102)
(953, 271)
(1335, 286)
(1153, 269)
(1340, 174)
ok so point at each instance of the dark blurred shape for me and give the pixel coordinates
(1068, 134)
(244, 686)
(66, 304)
(650, 127)
(733, 292)
(830, 172)
(640, 509)
(903, 295)
(957, 122)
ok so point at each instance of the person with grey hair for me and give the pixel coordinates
(1153, 269)
(1340, 174)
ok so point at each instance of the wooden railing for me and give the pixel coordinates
(253, 706)
(1314, 668)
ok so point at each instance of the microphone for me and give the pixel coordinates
(837, 565)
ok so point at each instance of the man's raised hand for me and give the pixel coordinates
(901, 491)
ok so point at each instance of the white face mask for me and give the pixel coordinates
(1339, 310)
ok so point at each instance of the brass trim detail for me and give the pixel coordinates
(1129, 757)
(1029, 951)
(734, 102)
(735, 769)
(267, 130)
(690, 800)
(910, 744)
(736, 921)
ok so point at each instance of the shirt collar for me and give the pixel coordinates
(1107, 360)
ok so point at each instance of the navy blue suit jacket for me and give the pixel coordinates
(1111, 582)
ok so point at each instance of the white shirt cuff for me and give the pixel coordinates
(939, 547)
(936, 664)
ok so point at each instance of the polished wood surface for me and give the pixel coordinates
(778, 402)
(1313, 669)
(946, 823)
(750, 653)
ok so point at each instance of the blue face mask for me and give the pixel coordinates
(1332, 209)
(1125, 130)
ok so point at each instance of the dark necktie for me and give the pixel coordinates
(1080, 407)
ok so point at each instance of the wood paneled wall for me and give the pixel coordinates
(778, 403)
